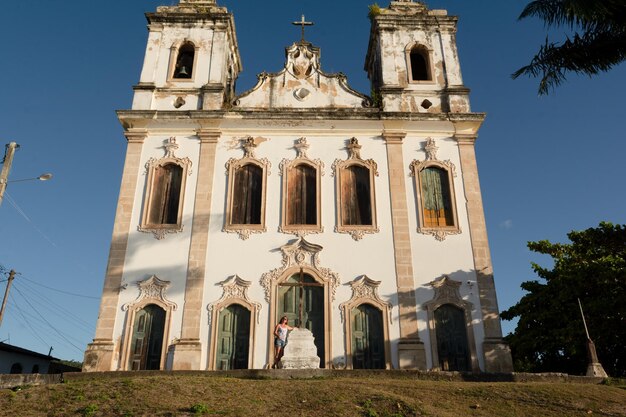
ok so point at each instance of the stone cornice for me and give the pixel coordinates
(308, 114)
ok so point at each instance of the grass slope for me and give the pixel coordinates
(184, 395)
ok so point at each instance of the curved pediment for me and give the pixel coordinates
(301, 84)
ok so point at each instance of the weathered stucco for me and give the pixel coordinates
(211, 128)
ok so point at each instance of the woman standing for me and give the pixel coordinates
(280, 339)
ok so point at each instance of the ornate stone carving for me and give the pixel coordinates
(248, 145)
(152, 289)
(431, 156)
(300, 253)
(365, 289)
(447, 291)
(301, 146)
(160, 231)
(234, 289)
(354, 158)
(302, 60)
(439, 234)
(430, 148)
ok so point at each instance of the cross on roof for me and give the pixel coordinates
(302, 23)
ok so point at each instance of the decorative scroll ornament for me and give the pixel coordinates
(447, 291)
(354, 158)
(439, 234)
(364, 289)
(301, 146)
(170, 146)
(152, 289)
(248, 145)
(430, 148)
(300, 253)
(302, 60)
(234, 289)
(431, 160)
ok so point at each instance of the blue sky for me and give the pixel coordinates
(547, 165)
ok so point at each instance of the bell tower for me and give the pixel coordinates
(412, 60)
(192, 58)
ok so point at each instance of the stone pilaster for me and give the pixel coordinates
(411, 353)
(102, 353)
(497, 353)
(187, 351)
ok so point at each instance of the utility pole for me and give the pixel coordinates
(6, 294)
(6, 167)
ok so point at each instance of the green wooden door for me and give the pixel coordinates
(368, 341)
(233, 338)
(147, 340)
(301, 299)
(452, 346)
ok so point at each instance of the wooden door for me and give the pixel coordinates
(233, 339)
(452, 346)
(301, 299)
(368, 340)
(147, 338)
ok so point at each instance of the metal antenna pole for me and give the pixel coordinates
(6, 294)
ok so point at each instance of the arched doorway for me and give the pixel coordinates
(301, 298)
(233, 338)
(368, 340)
(452, 345)
(147, 338)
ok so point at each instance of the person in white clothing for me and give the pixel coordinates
(280, 339)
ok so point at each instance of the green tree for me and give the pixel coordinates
(550, 336)
(596, 44)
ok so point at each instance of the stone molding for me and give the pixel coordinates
(447, 292)
(354, 159)
(160, 230)
(248, 145)
(365, 291)
(151, 291)
(301, 256)
(439, 233)
(301, 146)
(234, 291)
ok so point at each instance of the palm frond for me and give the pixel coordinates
(588, 54)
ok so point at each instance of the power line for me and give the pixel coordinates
(59, 309)
(61, 291)
(47, 322)
(19, 310)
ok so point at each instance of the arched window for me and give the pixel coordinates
(437, 207)
(35, 369)
(247, 182)
(165, 187)
(247, 195)
(434, 189)
(184, 61)
(356, 196)
(419, 63)
(301, 195)
(165, 196)
(16, 368)
(301, 185)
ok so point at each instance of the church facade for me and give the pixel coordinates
(357, 217)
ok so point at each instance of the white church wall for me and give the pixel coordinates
(166, 258)
(228, 254)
